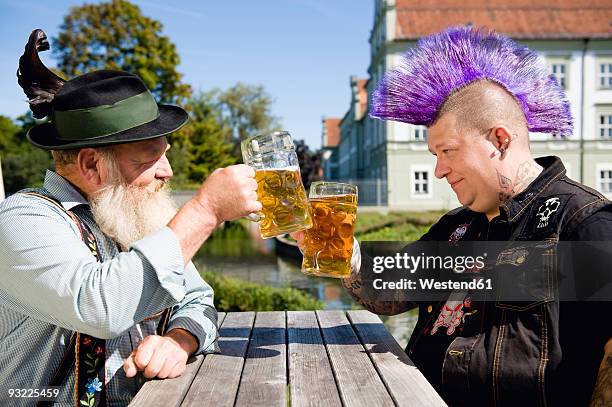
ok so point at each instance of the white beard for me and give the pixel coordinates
(127, 213)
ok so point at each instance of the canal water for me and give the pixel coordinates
(237, 251)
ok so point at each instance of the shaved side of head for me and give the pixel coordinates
(484, 104)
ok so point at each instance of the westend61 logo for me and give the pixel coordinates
(490, 270)
(411, 263)
(406, 262)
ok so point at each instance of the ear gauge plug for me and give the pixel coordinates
(503, 150)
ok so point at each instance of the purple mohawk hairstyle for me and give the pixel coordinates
(427, 75)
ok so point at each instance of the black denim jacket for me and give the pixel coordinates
(541, 353)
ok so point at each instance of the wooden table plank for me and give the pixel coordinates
(170, 392)
(311, 380)
(216, 383)
(405, 382)
(264, 377)
(356, 377)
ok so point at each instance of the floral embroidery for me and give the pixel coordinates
(92, 386)
(92, 353)
(92, 357)
(91, 361)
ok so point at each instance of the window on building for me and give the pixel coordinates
(420, 133)
(605, 126)
(604, 181)
(421, 182)
(605, 75)
(559, 70)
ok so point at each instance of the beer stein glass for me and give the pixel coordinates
(328, 245)
(279, 184)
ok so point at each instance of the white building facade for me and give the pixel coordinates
(581, 61)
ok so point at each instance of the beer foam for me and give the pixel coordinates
(289, 168)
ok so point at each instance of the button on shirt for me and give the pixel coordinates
(52, 285)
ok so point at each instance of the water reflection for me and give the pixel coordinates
(237, 251)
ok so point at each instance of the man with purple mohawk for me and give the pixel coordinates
(480, 94)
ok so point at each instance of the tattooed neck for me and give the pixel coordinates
(510, 186)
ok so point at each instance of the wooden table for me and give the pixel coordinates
(297, 358)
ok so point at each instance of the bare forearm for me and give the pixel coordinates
(602, 395)
(354, 286)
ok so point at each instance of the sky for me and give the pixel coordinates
(302, 51)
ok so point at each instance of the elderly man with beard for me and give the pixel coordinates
(97, 287)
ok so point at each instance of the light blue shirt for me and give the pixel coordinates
(51, 285)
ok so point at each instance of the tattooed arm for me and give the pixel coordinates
(354, 285)
(602, 395)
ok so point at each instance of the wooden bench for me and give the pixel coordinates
(297, 358)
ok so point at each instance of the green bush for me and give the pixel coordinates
(233, 294)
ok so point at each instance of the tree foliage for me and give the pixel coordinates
(8, 130)
(211, 138)
(23, 165)
(247, 109)
(115, 35)
(234, 294)
(220, 120)
(203, 145)
(311, 167)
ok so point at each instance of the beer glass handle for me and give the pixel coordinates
(254, 217)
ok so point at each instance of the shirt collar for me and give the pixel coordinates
(63, 190)
(517, 206)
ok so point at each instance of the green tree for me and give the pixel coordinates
(8, 130)
(219, 121)
(247, 110)
(310, 162)
(180, 157)
(23, 165)
(115, 35)
(211, 138)
(203, 145)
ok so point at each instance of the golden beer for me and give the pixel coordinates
(328, 245)
(284, 202)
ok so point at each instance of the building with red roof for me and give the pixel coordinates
(574, 37)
